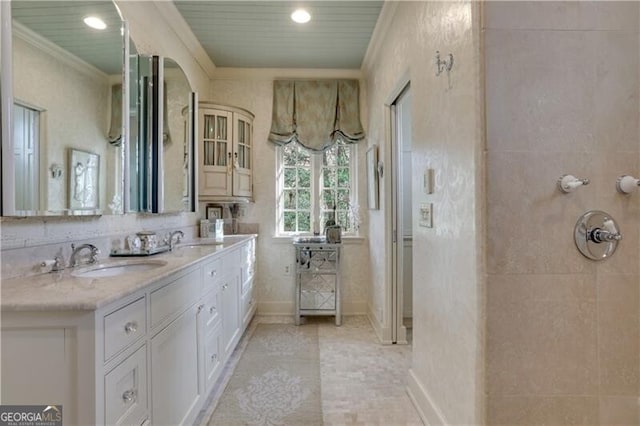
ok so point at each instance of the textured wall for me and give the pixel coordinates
(562, 97)
(446, 373)
(26, 242)
(76, 111)
(255, 93)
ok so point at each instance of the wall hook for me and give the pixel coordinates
(443, 64)
(569, 183)
(627, 184)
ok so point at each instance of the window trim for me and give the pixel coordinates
(316, 179)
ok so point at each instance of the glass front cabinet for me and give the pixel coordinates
(226, 153)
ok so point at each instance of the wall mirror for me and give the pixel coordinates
(177, 139)
(162, 144)
(68, 134)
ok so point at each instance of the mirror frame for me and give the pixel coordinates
(154, 116)
(7, 185)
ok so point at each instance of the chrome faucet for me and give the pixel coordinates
(76, 250)
(169, 239)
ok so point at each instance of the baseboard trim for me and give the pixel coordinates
(288, 308)
(428, 411)
(383, 334)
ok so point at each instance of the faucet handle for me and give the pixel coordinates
(95, 251)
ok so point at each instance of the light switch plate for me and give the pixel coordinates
(425, 217)
(427, 181)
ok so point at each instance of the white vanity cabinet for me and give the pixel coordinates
(175, 367)
(226, 152)
(151, 357)
(230, 297)
(248, 295)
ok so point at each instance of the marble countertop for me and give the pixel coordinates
(61, 291)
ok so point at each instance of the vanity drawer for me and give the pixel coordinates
(125, 391)
(212, 308)
(212, 273)
(176, 296)
(123, 327)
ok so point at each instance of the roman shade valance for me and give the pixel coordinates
(316, 114)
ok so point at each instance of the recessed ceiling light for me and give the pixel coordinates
(301, 16)
(95, 22)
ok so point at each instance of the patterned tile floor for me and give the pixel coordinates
(362, 381)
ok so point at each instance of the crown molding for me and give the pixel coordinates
(176, 22)
(283, 73)
(383, 24)
(52, 49)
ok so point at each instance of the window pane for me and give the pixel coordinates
(329, 157)
(304, 199)
(304, 178)
(326, 217)
(343, 177)
(304, 221)
(328, 199)
(343, 199)
(344, 154)
(290, 221)
(290, 199)
(343, 219)
(328, 178)
(289, 178)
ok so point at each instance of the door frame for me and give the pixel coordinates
(397, 333)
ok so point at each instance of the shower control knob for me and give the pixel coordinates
(627, 184)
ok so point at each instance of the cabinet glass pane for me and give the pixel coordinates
(241, 135)
(221, 154)
(209, 127)
(247, 158)
(222, 128)
(209, 152)
(247, 133)
(241, 157)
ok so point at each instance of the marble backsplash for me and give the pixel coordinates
(28, 242)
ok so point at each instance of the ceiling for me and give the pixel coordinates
(61, 23)
(261, 34)
(238, 34)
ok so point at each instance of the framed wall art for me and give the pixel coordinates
(214, 212)
(84, 180)
(372, 178)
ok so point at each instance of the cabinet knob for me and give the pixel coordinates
(131, 327)
(200, 308)
(214, 357)
(129, 396)
(212, 309)
(213, 273)
(224, 287)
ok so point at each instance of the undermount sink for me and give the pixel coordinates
(115, 269)
(199, 244)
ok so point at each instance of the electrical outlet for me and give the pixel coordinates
(287, 270)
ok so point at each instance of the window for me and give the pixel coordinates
(315, 187)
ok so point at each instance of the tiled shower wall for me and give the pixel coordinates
(562, 97)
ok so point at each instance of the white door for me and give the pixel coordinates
(26, 142)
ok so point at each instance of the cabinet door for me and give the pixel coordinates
(213, 356)
(125, 390)
(175, 371)
(230, 291)
(243, 156)
(216, 138)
